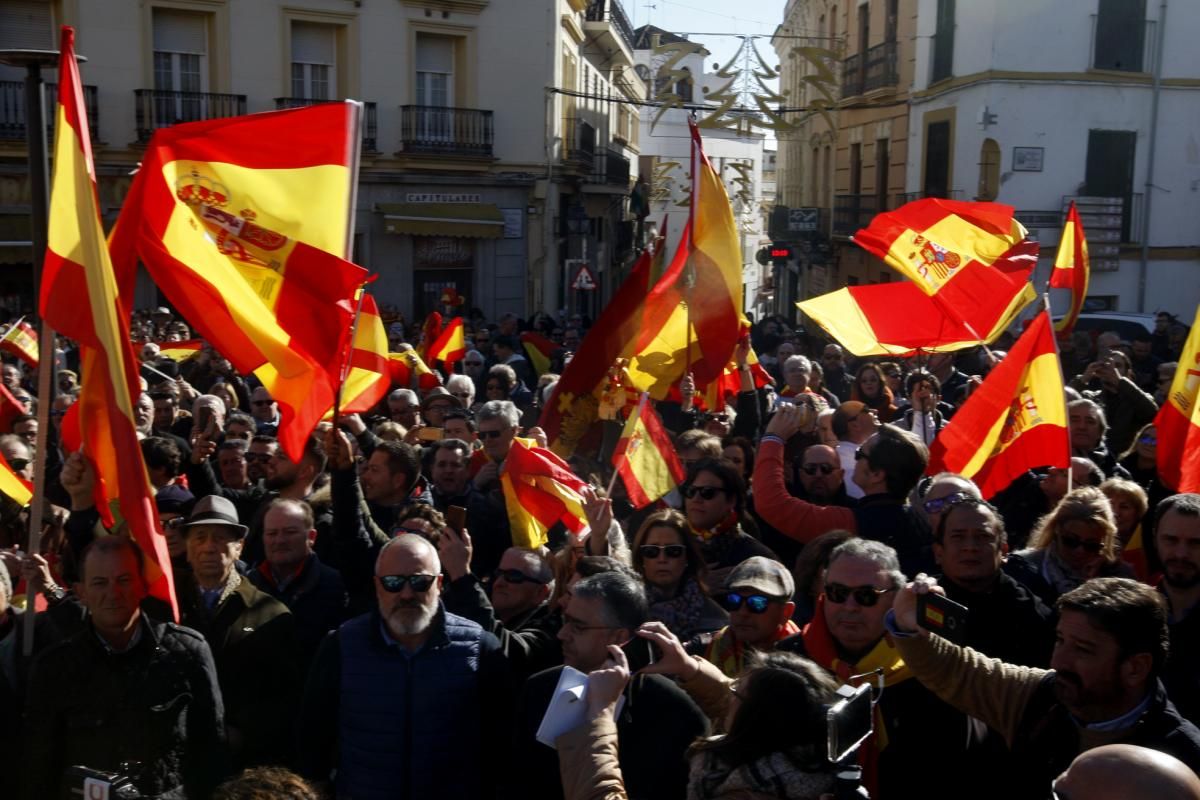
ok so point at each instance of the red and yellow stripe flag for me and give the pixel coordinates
(449, 346)
(241, 222)
(406, 364)
(181, 351)
(1016, 420)
(1072, 268)
(13, 486)
(22, 341)
(370, 374)
(540, 490)
(1178, 421)
(539, 350)
(79, 298)
(645, 457)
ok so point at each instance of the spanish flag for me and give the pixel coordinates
(241, 223)
(370, 371)
(79, 298)
(21, 340)
(10, 409)
(539, 350)
(1016, 420)
(1071, 268)
(1178, 421)
(406, 366)
(540, 490)
(645, 457)
(181, 351)
(449, 346)
(899, 319)
(13, 486)
(431, 329)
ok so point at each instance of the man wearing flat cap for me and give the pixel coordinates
(253, 636)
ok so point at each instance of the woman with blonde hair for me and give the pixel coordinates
(1129, 504)
(1074, 543)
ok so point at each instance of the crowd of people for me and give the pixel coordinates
(358, 623)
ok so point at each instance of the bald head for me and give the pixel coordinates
(1121, 771)
(408, 549)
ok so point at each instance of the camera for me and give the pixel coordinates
(90, 783)
(849, 722)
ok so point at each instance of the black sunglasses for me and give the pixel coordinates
(937, 504)
(395, 583)
(813, 469)
(1068, 541)
(654, 550)
(705, 492)
(492, 434)
(860, 454)
(18, 464)
(514, 576)
(865, 596)
(755, 603)
(253, 457)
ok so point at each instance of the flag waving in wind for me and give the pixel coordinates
(1071, 268)
(79, 297)
(646, 458)
(1178, 421)
(1015, 420)
(539, 490)
(21, 340)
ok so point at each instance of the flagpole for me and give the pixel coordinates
(637, 413)
(345, 371)
(355, 153)
(689, 275)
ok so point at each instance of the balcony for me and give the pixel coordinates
(610, 169)
(1115, 220)
(445, 131)
(877, 71)
(908, 197)
(12, 110)
(156, 108)
(853, 211)
(369, 142)
(606, 20)
(579, 144)
(852, 76)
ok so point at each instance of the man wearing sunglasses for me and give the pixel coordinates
(820, 474)
(758, 597)
(1104, 685)
(853, 423)
(407, 700)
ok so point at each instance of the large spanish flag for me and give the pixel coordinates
(540, 490)
(370, 375)
(79, 298)
(21, 340)
(1016, 420)
(900, 319)
(242, 223)
(1178, 421)
(449, 346)
(1071, 268)
(645, 457)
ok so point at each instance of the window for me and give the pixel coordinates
(26, 25)
(1120, 35)
(856, 169)
(1109, 171)
(180, 64)
(314, 61)
(989, 171)
(937, 159)
(435, 70)
(684, 87)
(892, 22)
(864, 28)
(882, 167)
(943, 42)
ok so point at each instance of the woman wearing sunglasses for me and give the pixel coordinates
(668, 558)
(871, 387)
(714, 498)
(1074, 543)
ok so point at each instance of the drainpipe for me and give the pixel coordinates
(1158, 62)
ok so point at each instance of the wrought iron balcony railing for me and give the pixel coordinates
(369, 141)
(439, 130)
(156, 108)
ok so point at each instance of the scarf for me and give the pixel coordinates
(724, 526)
(818, 642)
(682, 612)
(729, 655)
(796, 775)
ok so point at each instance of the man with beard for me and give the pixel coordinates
(1177, 537)
(407, 700)
(821, 474)
(1103, 685)
(258, 455)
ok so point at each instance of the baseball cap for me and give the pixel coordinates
(215, 510)
(763, 575)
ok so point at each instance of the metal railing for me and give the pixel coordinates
(908, 197)
(878, 69)
(157, 108)
(369, 141)
(1116, 220)
(610, 168)
(853, 211)
(579, 142)
(12, 110)
(852, 75)
(442, 130)
(611, 11)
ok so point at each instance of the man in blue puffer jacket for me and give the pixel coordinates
(407, 701)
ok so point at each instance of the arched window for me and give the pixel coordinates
(989, 170)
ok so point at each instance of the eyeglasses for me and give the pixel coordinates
(255, 457)
(670, 550)
(261, 403)
(579, 626)
(755, 603)
(704, 492)
(493, 434)
(515, 576)
(813, 469)
(18, 464)
(395, 583)
(862, 455)
(936, 505)
(1148, 440)
(865, 596)
(1072, 543)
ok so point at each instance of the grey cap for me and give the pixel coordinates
(763, 575)
(215, 510)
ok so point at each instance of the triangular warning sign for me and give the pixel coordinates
(584, 280)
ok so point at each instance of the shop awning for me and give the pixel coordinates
(468, 220)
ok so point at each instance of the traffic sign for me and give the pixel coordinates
(584, 280)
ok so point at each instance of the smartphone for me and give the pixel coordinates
(942, 616)
(430, 434)
(456, 518)
(849, 721)
(640, 653)
(204, 420)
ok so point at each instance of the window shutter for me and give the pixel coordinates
(313, 43)
(26, 25)
(179, 32)
(435, 54)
